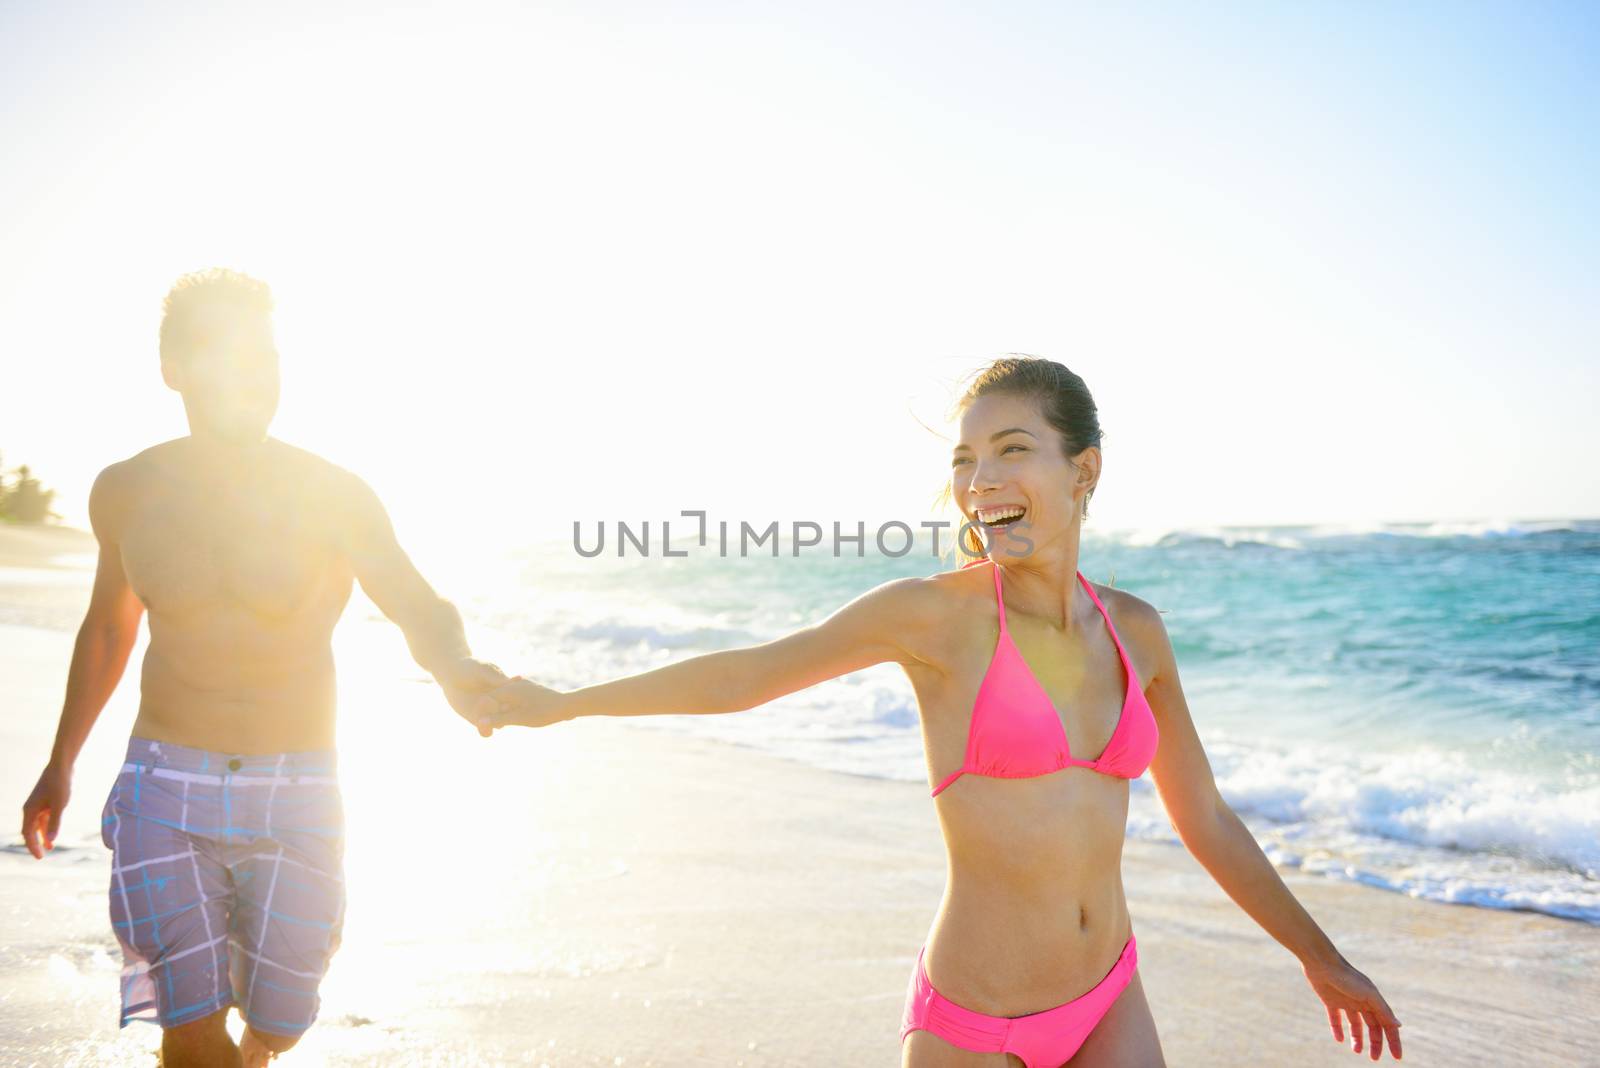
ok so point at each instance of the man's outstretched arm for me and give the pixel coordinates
(109, 630)
(431, 624)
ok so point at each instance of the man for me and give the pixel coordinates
(225, 824)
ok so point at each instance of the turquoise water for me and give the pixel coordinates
(1415, 707)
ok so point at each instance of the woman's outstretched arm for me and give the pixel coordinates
(1224, 846)
(881, 625)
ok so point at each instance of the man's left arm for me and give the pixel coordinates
(431, 624)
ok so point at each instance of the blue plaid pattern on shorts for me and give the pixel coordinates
(227, 882)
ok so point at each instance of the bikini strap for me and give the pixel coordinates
(1107, 617)
(999, 599)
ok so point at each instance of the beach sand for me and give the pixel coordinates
(45, 547)
(613, 893)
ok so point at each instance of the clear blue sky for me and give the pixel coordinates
(1318, 262)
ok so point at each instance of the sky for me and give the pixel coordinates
(537, 264)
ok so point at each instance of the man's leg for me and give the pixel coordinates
(205, 1043)
(169, 902)
(289, 910)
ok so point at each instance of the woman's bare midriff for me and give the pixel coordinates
(1033, 913)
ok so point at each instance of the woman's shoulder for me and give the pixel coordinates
(961, 584)
(935, 594)
(1140, 626)
(933, 617)
(928, 611)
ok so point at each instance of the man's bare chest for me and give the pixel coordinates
(196, 551)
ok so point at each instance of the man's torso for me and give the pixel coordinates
(243, 576)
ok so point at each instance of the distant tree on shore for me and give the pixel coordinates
(24, 499)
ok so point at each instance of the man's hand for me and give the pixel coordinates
(524, 703)
(464, 681)
(41, 813)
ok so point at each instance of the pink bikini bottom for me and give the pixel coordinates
(1042, 1039)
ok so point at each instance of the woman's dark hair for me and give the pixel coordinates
(1062, 398)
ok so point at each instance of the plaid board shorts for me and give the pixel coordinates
(227, 882)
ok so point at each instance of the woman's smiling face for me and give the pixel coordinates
(1009, 473)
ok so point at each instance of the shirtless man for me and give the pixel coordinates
(225, 824)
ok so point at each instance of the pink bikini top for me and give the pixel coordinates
(1016, 732)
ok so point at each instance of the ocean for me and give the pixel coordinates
(1415, 707)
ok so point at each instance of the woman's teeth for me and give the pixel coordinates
(999, 517)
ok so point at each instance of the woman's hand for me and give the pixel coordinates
(523, 703)
(1342, 988)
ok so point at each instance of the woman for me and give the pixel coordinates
(1022, 670)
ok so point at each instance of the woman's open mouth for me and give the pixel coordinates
(1001, 515)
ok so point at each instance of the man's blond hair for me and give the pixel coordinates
(212, 285)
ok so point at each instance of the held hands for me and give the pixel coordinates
(523, 703)
(464, 681)
(1341, 987)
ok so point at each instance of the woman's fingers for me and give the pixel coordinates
(1391, 1028)
(1383, 1027)
(520, 702)
(1374, 1033)
(1372, 1022)
(517, 703)
(498, 707)
(1355, 1027)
